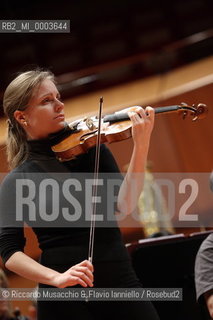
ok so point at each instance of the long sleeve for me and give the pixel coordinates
(107, 161)
(11, 231)
(110, 171)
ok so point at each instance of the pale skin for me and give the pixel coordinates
(45, 115)
(209, 302)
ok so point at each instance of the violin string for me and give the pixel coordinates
(94, 189)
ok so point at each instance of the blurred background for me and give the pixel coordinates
(130, 52)
(110, 42)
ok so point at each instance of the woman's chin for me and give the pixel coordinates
(60, 125)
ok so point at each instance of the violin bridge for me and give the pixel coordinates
(90, 124)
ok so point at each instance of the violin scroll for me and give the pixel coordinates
(198, 111)
(201, 111)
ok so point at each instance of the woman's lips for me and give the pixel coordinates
(60, 116)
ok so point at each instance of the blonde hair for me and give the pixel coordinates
(16, 97)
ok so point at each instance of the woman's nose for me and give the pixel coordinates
(59, 105)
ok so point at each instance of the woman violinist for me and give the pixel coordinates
(35, 113)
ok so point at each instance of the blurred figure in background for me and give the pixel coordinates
(204, 270)
(204, 274)
(153, 211)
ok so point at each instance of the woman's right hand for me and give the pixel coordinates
(81, 273)
(209, 302)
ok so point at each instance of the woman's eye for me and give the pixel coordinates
(49, 100)
(46, 100)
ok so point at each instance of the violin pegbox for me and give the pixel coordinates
(197, 111)
(201, 111)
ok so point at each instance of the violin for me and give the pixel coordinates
(115, 127)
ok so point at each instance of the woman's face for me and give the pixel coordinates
(45, 112)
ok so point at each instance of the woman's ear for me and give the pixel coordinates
(20, 117)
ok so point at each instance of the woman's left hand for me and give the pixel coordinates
(142, 124)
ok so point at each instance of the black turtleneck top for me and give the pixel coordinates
(42, 164)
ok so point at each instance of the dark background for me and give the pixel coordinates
(110, 42)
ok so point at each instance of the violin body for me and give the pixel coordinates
(82, 140)
(115, 127)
